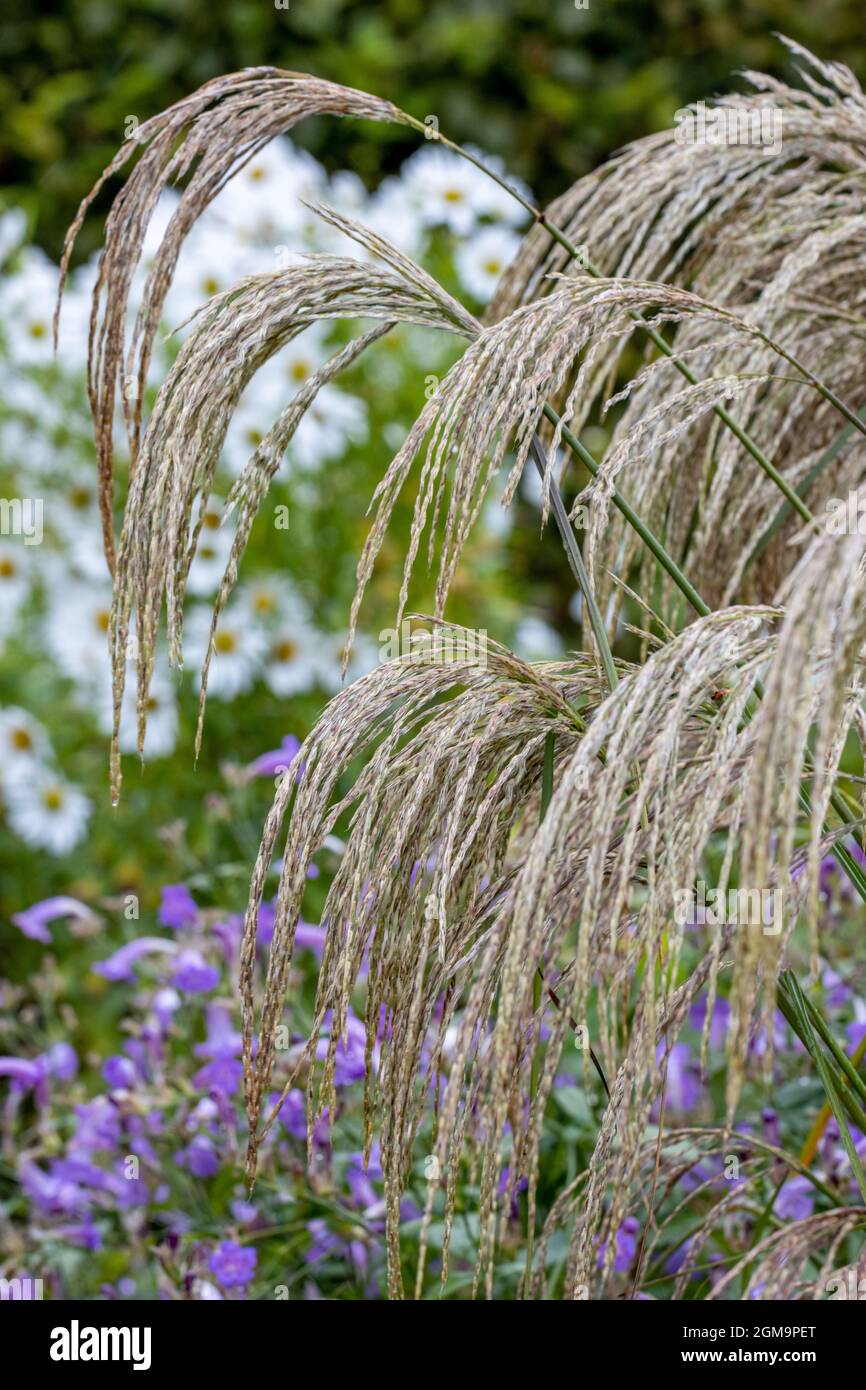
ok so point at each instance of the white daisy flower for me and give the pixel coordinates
(392, 216)
(46, 811)
(295, 659)
(212, 549)
(270, 391)
(239, 647)
(212, 260)
(333, 421)
(363, 657)
(270, 598)
(162, 716)
(73, 516)
(13, 230)
(536, 640)
(23, 742)
(481, 261)
(77, 629)
(264, 201)
(14, 584)
(45, 413)
(445, 189)
(26, 310)
(26, 444)
(282, 376)
(492, 200)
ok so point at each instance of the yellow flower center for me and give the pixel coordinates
(225, 642)
(52, 799)
(37, 329)
(7, 569)
(21, 740)
(284, 651)
(453, 195)
(103, 619)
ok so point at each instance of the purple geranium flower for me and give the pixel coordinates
(626, 1246)
(119, 1073)
(193, 975)
(719, 1021)
(119, 966)
(222, 1074)
(683, 1081)
(222, 1039)
(59, 1063)
(350, 1054)
(178, 907)
(278, 760)
(233, 1265)
(200, 1157)
(33, 921)
(796, 1200)
(326, 1243)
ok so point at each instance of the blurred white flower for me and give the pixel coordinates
(23, 742)
(295, 659)
(72, 513)
(46, 811)
(264, 200)
(492, 200)
(13, 229)
(271, 598)
(535, 640)
(391, 215)
(162, 717)
(481, 261)
(272, 388)
(212, 260)
(14, 583)
(496, 519)
(444, 189)
(76, 629)
(284, 374)
(333, 421)
(239, 647)
(212, 549)
(363, 657)
(27, 298)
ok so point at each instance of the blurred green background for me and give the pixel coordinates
(553, 88)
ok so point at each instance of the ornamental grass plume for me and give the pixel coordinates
(518, 834)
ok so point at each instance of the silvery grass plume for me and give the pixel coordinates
(232, 337)
(480, 906)
(688, 1171)
(776, 234)
(205, 139)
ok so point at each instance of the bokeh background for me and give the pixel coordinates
(551, 90)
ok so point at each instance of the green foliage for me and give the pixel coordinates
(554, 88)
